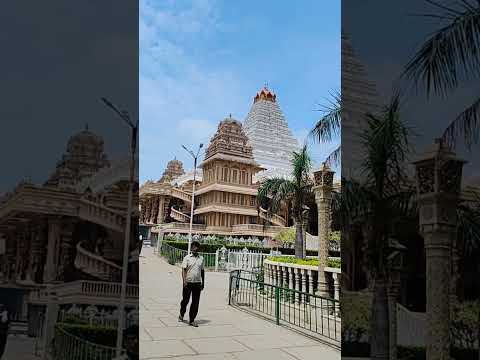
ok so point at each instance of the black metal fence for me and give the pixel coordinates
(312, 314)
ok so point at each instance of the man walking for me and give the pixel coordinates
(4, 322)
(193, 276)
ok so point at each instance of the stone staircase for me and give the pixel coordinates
(179, 216)
(96, 265)
(180, 194)
(273, 218)
(102, 215)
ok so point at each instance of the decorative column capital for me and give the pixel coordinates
(438, 180)
(323, 182)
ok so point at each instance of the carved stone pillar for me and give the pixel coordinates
(21, 255)
(392, 295)
(161, 213)
(323, 198)
(278, 276)
(336, 286)
(304, 283)
(297, 284)
(53, 241)
(291, 284)
(10, 256)
(310, 282)
(66, 249)
(148, 210)
(37, 252)
(438, 174)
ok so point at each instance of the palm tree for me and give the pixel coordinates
(468, 214)
(275, 192)
(328, 126)
(378, 203)
(448, 57)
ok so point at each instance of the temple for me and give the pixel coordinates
(269, 135)
(238, 157)
(67, 235)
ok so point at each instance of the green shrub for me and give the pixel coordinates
(334, 263)
(355, 309)
(464, 323)
(105, 336)
(212, 248)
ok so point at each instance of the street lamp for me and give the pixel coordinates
(195, 157)
(126, 248)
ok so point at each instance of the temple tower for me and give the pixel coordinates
(269, 135)
(84, 157)
(227, 196)
(174, 170)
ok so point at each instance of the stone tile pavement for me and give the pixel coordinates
(223, 333)
(20, 348)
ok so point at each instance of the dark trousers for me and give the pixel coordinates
(194, 290)
(3, 342)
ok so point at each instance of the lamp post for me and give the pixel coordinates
(126, 248)
(195, 157)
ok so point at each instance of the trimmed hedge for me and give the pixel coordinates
(105, 336)
(334, 263)
(211, 248)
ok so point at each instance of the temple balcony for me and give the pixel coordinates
(86, 292)
(240, 229)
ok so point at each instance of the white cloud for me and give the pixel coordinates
(181, 99)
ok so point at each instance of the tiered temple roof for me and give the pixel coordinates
(268, 133)
(83, 158)
(230, 143)
(174, 170)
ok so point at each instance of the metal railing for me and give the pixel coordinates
(68, 346)
(310, 314)
(175, 256)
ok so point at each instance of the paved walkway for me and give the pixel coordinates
(223, 333)
(20, 348)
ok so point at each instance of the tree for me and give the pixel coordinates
(378, 203)
(286, 237)
(449, 56)
(275, 192)
(328, 126)
(468, 215)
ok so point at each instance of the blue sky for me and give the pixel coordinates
(202, 60)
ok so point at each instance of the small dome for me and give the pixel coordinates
(83, 138)
(265, 94)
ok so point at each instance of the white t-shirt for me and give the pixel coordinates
(194, 266)
(4, 316)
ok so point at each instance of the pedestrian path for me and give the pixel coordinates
(223, 333)
(20, 348)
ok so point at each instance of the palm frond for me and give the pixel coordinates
(329, 124)
(386, 144)
(302, 164)
(272, 192)
(468, 217)
(449, 53)
(354, 201)
(466, 124)
(333, 159)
